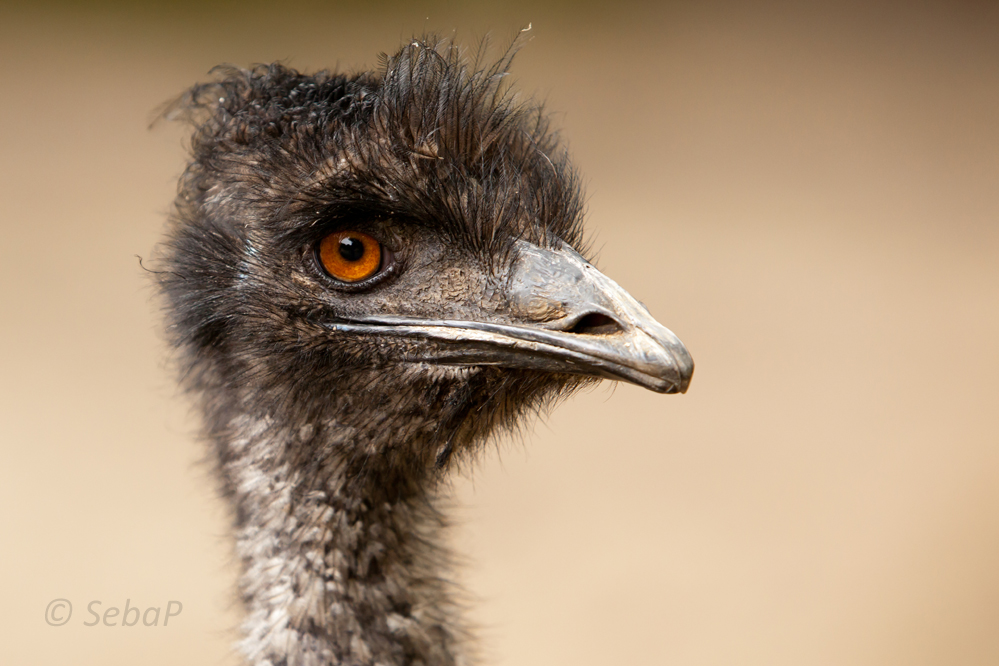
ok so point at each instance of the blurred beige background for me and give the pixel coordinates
(809, 198)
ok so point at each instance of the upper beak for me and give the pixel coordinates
(571, 318)
(585, 311)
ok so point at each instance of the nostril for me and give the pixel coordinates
(596, 324)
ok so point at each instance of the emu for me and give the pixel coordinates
(364, 277)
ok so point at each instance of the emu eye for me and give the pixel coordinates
(350, 256)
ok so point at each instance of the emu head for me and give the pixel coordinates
(394, 253)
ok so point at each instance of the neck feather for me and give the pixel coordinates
(341, 555)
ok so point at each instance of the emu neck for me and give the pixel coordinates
(339, 550)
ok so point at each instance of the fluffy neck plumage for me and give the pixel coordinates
(340, 555)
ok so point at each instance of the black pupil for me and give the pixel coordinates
(351, 249)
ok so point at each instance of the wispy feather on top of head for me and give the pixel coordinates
(432, 135)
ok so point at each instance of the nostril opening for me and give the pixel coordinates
(596, 324)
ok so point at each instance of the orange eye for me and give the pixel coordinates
(350, 255)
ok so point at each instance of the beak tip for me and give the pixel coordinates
(683, 364)
(686, 374)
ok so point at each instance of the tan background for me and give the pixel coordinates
(810, 199)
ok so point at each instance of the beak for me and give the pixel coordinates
(571, 318)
